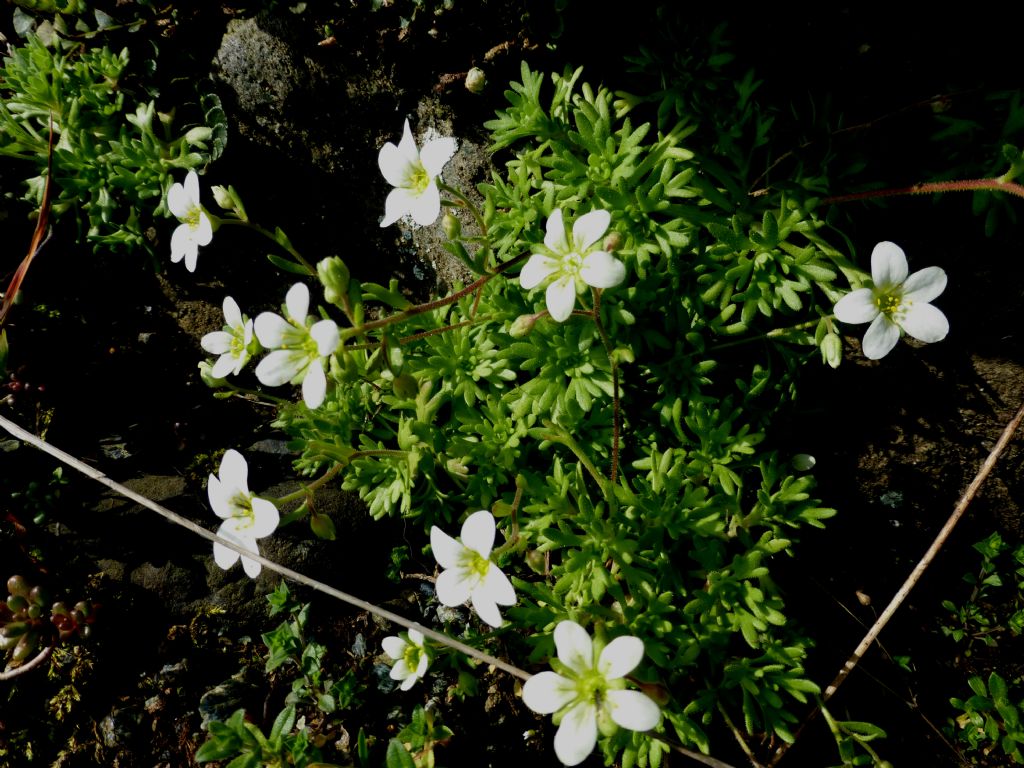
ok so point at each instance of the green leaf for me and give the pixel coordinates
(397, 756)
(286, 265)
(283, 724)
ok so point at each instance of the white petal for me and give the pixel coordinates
(224, 557)
(232, 314)
(620, 657)
(234, 471)
(925, 323)
(191, 255)
(274, 331)
(394, 647)
(225, 366)
(217, 342)
(548, 692)
(633, 710)
(219, 495)
(400, 201)
(251, 567)
(589, 228)
(574, 646)
(416, 637)
(281, 366)
(178, 202)
(446, 549)
(314, 386)
(924, 285)
(393, 165)
(426, 206)
(888, 265)
(856, 307)
(325, 334)
(203, 233)
(400, 670)
(880, 338)
(409, 682)
(485, 607)
(454, 587)
(192, 188)
(435, 154)
(554, 237)
(180, 240)
(560, 298)
(498, 587)
(478, 532)
(297, 303)
(265, 518)
(536, 270)
(602, 270)
(407, 146)
(577, 734)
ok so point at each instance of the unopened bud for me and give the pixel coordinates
(803, 462)
(452, 226)
(222, 197)
(521, 326)
(535, 560)
(206, 374)
(405, 386)
(334, 276)
(198, 135)
(832, 350)
(612, 242)
(475, 80)
(457, 468)
(322, 526)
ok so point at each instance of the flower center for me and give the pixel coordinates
(591, 686)
(888, 303)
(419, 180)
(192, 217)
(572, 264)
(241, 510)
(476, 564)
(411, 656)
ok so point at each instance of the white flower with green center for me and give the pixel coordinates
(246, 517)
(300, 347)
(233, 344)
(410, 656)
(195, 229)
(469, 573)
(591, 696)
(895, 302)
(413, 174)
(571, 262)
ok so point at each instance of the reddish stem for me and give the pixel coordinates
(963, 185)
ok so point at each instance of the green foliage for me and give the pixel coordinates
(113, 158)
(414, 746)
(244, 745)
(990, 719)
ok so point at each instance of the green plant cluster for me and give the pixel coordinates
(991, 719)
(113, 155)
(629, 451)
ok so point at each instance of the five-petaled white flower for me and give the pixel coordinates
(572, 262)
(233, 344)
(413, 174)
(300, 347)
(246, 518)
(195, 228)
(593, 691)
(410, 657)
(896, 302)
(469, 572)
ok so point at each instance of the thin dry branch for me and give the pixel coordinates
(915, 575)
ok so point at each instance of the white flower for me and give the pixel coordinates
(233, 344)
(896, 302)
(469, 573)
(195, 228)
(300, 347)
(246, 518)
(410, 656)
(593, 691)
(413, 175)
(572, 262)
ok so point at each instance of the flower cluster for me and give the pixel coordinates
(590, 692)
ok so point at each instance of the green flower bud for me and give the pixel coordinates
(17, 603)
(334, 276)
(475, 80)
(16, 585)
(832, 350)
(222, 197)
(452, 226)
(405, 386)
(521, 326)
(198, 135)
(535, 561)
(322, 526)
(803, 462)
(457, 468)
(206, 374)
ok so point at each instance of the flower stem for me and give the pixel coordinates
(960, 185)
(419, 309)
(286, 244)
(772, 334)
(465, 202)
(559, 435)
(305, 490)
